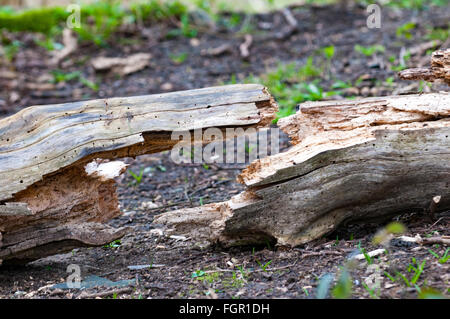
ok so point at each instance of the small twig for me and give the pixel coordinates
(444, 240)
(222, 49)
(433, 206)
(244, 48)
(327, 252)
(292, 26)
(289, 17)
(434, 224)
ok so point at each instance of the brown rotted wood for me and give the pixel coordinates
(54, 169)
(352, 161)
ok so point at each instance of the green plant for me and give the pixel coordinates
(99, 19)
(211, 277)
(113, 244)
(161, 168)
(308, 70)
(402, 64)
(235, 281)
(441, 34)
(405, 30)
(178, 58)
(343, 288)
(369, 50)
(198, 274)
(49, 44)
(10, 50)
(185, 28)
(234, 20)
(33, 20)
(340, 85)
(444, 258)
(329, 52)
(137, 178)
(60, 76)
(413, 267)
(415, 4)
(367, 257)
(372, 291)
(264, 267)
(389, 81)
(305, 291)
(390, 277)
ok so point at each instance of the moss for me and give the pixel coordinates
(34, 20)
(99, 19)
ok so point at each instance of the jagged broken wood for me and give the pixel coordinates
(439, 70)
(352, 161)
(56, 181)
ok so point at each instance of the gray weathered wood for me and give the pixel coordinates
(439, 70)
(40, 140)
(352, 161)
(53, 159)
(15, 209)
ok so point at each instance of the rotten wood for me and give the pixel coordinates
(55, 160)
(352, 161)
(439, 70)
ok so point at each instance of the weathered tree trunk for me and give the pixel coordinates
(351, 161)
(56, 185)
(439, 70)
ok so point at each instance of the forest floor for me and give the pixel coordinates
(180, 267)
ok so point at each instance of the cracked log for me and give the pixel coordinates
(439, 70)
(352, 161)
(56, 181)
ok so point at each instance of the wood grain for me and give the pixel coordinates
(53, 159)
(353, 161)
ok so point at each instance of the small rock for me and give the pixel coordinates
(365, 91)
(374, 91)
(167, 86)
(148, 205)
(194, 42)
(351, 91)
(14, 97)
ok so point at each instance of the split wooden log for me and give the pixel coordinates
(56, 181)
(440, 69)
(352, 161)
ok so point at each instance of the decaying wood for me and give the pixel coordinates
(439, 70)
(15, 209)
(57, 183)
(352, 161)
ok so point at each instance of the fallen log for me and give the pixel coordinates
(352, 161)
(439, 70)
(57, 184)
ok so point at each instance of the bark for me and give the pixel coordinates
(57, 183)
(439, 70)
(352, 161)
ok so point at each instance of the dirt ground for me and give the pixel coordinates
(183, 268)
